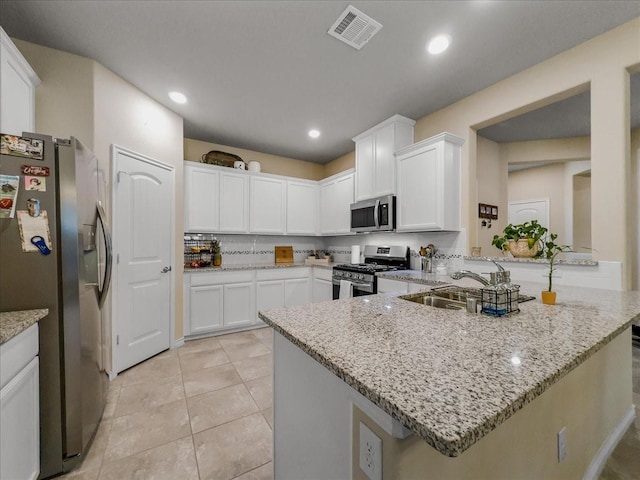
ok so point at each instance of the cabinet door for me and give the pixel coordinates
(206, 309)
(267, 199)
(302, 208)
(365, 168)
(386, 285)
(385, 162)
(343, 200)
(328, 208)
(17, 90)
(420, 183)
(201, 199)
(234, 196)
(322, 290)
(20, 432)
(297, 291)
(269, 294)
(239, 304)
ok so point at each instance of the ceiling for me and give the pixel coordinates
(260, 74)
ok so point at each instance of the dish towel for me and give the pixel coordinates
(346, 289)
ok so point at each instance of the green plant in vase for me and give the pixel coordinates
(550, 251)
(522, 240)
(216, 256)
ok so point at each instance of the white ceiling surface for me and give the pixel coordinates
(260, 74)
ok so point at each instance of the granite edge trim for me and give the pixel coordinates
(577, 263)
(452, 447)
(410, 278)
(231, 268)
(18, 325)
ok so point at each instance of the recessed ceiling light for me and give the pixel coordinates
(438, 44)
(314, 133)
(177, 97)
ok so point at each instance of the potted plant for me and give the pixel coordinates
(522, 240)
(216, 256)
(550, 252)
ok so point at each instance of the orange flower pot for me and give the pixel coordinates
(549, 298)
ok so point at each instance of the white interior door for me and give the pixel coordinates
(527, 210)
(143, 244)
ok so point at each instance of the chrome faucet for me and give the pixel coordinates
(466, 273)
(499, 275)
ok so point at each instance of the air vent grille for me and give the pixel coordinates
(354, 28)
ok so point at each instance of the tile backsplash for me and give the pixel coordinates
(251, 249)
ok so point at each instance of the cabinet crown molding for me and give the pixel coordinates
(395, 119)
(446, 136)
(17, 56)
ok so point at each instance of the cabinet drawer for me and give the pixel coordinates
(283, 273)
(220, 278)
(322, 273)
(17, 353)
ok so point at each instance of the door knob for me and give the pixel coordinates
(165, 270)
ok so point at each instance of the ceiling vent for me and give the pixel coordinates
(354, 28)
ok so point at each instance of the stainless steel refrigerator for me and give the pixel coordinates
(71, 281)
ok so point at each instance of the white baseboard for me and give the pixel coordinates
(177, 343)
(609, 445)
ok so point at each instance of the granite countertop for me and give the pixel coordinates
(255, 266)
(417, 276)
(14, 323)
(586, 263)
(450, 376)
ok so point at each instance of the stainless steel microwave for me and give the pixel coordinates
(374, 215)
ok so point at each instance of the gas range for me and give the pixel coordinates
(363, 275)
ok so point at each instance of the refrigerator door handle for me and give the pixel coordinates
(108, 256)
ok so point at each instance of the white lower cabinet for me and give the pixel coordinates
(228, 301)
(269, 294)
(206, 308)
(297, 291)
(19, 407)
(322, 286)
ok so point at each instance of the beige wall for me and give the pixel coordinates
(65, 96)
(552, 150)
(340, 164)
(194, 149)
(589, 401)
(80, 97)
(600, 63)
(126, 117)
(581, 212)
(634, 210)
(536, 183)
(492, 186)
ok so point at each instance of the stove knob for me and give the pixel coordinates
(361, 276)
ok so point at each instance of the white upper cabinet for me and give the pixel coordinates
(202, 199)
(336, 196)
(234, 202)
(18, 84)
(428, 196)
(375, 161)
(267, 201)
(302, 208)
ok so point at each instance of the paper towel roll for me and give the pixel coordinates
(355, 253)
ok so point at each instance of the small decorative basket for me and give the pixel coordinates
(499, 300)
(224, 159)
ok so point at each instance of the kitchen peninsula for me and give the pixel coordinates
(452, 394)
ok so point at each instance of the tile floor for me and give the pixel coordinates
(203, 411)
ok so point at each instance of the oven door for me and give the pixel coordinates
(359, 288)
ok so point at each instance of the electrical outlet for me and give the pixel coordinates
(370, 453)
(562, 444)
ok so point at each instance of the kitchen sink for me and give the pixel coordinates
(427, 298)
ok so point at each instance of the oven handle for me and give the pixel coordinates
(376, 209)
(336, 281)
